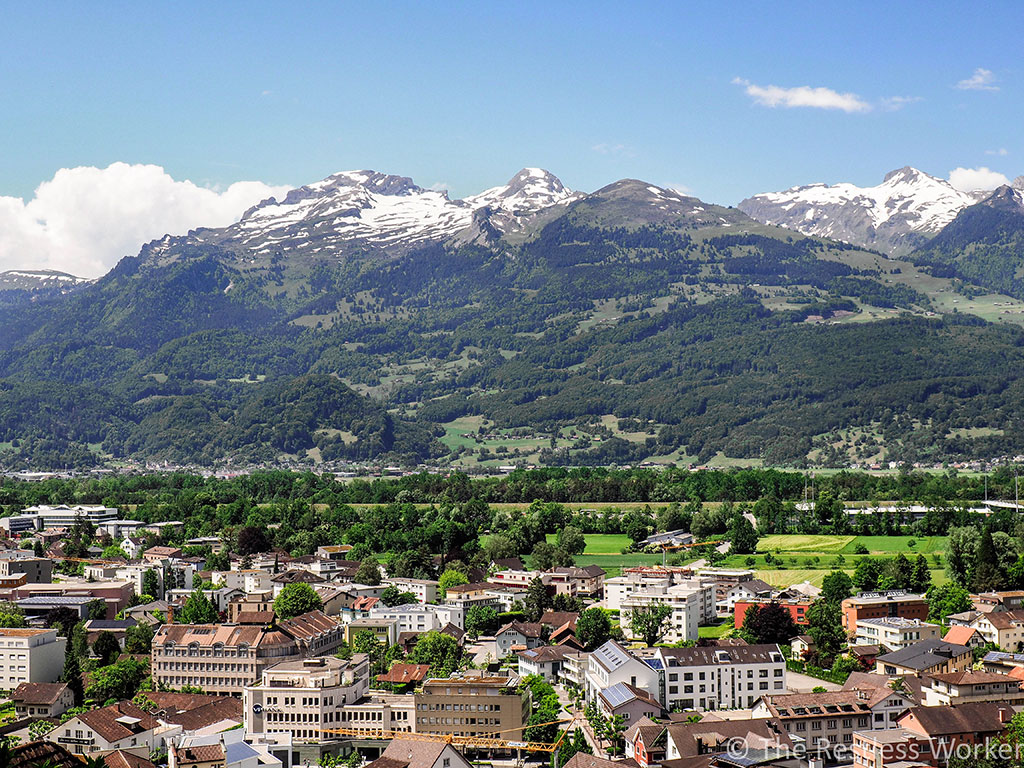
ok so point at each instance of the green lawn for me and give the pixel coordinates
(885, 544)
(600, 543)
(718, 630)
(803, 543)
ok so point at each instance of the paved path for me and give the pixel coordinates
(797, 682)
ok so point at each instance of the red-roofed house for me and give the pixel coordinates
(968, 636)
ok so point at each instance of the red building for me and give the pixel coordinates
(882, 605)
(797, 609)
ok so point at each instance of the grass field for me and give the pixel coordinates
(716, 630)
(600, 543)
(847, 545)
(803, 543)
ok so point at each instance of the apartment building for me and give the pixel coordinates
(797, 607)
(36, 570)
(895, 633)
(30, 656)
(755, 589)
(424, 589)
(419, 618)
(1004, 628)
(385, 630)
(316, 633)
(882, 605)
(972, 724)
(611, 664)
(725, 579)
(926, 657)
(733, 677)
(219, 658)
(119, 726)
(304, 697)
(827, 720)
(877, 749)
(645, 578)
(689, 603)
(472, 705)
(948, 689)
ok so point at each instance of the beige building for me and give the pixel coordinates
(305, 697)
(826, 720)
(119, 726)
(37, 570)
(951, 688)
(1004, 628)
(895, 633)
(219, 658)
(472, 705)
(30, 656)
(42, 699)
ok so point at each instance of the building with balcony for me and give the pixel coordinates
(472, 705)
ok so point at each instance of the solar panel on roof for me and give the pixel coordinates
(617, 695)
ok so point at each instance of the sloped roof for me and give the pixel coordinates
(693, 738)
(523, 628)
(558, 618)
(122, 759)
(403, 674)
(620, 694)
(297, 576)
(924, 654)
(38, 753)
(960, 635)
(307, 626)
(38, 693)
(972, 717)
(971, 677)
(105, 723)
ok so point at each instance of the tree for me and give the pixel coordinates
(987, 576)
(392, 596)
(769, 623)
(252, 540)
(649, 622)
(742, 535)
(615, 727)
(97, 609)
(824, 625)
(296, 599)
(898, 573)
(593, 628)
(947, 599)
(537, 600)
(922, 575)
(571, 540)
(570, 746)
(866, 574)
(72, 675)
(481, 620)
(450, 578)
(836, 587)
(197, 610)
(37, 548)
(367, 573)
(120, 680)
(441, 651)
(545, 557)
(113, 552)
(151, 583)
(11, 616)
(961, 553)
(106, 648)
(138, 639)
(63, 618)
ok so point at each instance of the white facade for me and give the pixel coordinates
(420, 618)
(895, 633)
(424, 589)
(62, 516)
(611, 664)
(732, 677)
(690, 603)
(30, 656)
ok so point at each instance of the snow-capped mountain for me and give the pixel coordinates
(896, 216)
(389, 212)
(35, 279)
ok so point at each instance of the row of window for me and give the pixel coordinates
(459, 707)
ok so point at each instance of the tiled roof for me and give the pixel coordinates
(970, 677)
(924, 654)
(38, 693)
(795, 706)
(105, 723)
(310, 625)
(523, 628)
(296, 576)
(38, 753)
(201, 753)
(972, 718)
(1005, 619)
(122, 759)
(960, 635)
(229, 634)
(737, 654)
(691, 739)
(558, 618)
(413, 753)
(403, 674)
(544, 653)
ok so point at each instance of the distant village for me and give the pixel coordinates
(156, 658)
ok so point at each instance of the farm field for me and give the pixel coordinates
(847, 545)
(600, 543)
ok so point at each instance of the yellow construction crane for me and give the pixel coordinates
(483, 741)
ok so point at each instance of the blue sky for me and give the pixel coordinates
(464, 94)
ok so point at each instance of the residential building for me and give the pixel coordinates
(404, 677)
(294, 576)
(731, 677)
(801, 645)
(472, 705)
(826, 720)
(797, 607)
(895, 633)
(545, 660)
(574, 669)
(646, 742)
(882, 605)
(987, 602)
(685, 740)
(951, 688)
(961, 635)
(37, 570)
(408, 753)
(671, 539)
(305, 697)
(926, 657)
(725, 579)
(628, 702)
(248, 603)
(646, 578)
(30, 656)
(754, 589)
(689, 602)
(231, 749)
(42, 699)
(416, 617)
(385, 630)
(877, 749)
(424, 589)
(1004, 628)
(973, 724)
(218, 658)
(119, 726)
(611, 664)
(381, 712)
(516, 636)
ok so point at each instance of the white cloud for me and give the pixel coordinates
(85, 219)
(981, 80)
(682, 189)
(971, 179)
(617, 150)
(895, 103)
(1001, 152)
(803, 96)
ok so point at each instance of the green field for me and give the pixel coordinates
(716, 630)
(803, 543)
(847, 545)
(600, 543)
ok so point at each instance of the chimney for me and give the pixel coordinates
(170, 613)
(1005, 715)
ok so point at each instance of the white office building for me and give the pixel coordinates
(30, 656)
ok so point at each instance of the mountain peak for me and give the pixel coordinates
(906, 174)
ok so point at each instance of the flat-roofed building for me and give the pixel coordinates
(895, 633)
(882, 605)
(472, 705)
(30, 656)
(304, 697)
(424, 589)
(385, 630)
(36, 570)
